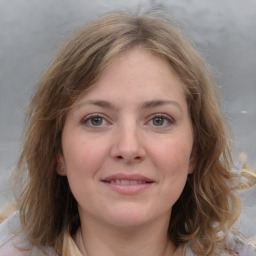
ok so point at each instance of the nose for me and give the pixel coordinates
(128, 145)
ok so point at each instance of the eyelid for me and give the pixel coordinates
(86, 118)
(167, 117)
(163, 115)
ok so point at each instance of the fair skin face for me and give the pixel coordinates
(126, 153)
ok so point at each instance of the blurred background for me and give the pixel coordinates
(224, 32)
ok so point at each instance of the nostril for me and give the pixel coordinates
(138, 157)
(128, 159)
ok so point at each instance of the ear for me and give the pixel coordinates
(192, 164)
(61, 168)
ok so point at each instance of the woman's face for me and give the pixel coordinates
(127, 143)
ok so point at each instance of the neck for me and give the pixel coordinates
(95, 238)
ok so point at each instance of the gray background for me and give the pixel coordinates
(224, 31)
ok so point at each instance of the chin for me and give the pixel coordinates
(129, 223)
(128, 218)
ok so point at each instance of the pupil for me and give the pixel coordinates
(96, 121)
(158, 121)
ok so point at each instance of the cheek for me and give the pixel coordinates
(82, 164)
(174, 165)
(173, 156)
(84, 158)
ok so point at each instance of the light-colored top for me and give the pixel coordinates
(12, 245)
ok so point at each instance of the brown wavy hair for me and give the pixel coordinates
(207, 207)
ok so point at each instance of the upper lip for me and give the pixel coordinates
(130, 177)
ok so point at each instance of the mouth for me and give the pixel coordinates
(124, 179)
(128, 184)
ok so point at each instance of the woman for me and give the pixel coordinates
(126, 151)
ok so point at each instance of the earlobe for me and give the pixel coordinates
(61, 169)
(192, 164)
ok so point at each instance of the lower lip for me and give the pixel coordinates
(128, 189)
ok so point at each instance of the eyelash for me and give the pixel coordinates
(89, 118)
(165, 117)
(162, 116)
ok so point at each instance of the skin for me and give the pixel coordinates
(134, 120)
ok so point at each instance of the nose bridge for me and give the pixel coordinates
(128, 143)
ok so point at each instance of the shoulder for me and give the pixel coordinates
(15, 243)
(237, 243)
(241, 245)
(8, 239)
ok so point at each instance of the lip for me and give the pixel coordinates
(144, 183)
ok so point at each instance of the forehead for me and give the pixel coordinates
(137, 70)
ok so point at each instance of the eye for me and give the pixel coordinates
(161, 120)
(158, 121)
(94, 120)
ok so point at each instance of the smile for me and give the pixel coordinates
(127, 182)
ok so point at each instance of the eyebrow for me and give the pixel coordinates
(145, 105)
(100, 103)
(157, 103)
